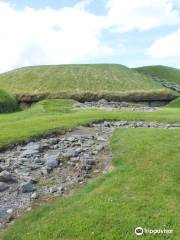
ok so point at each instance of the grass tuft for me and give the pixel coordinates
(7, 103)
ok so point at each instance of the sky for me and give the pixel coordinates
(129, 32)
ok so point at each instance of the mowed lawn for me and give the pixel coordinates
(57, 115)
(142, 190)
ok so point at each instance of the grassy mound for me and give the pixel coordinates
(83, 82)
(142, 190)
(7, 102)
(169, 74)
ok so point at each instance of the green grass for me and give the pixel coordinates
(83, 82)
(142, 190)
(56, 116)
(162, 72)
(175, 103)
(7, 103)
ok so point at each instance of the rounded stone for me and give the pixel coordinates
(26, 187)
(52, 163)
(3, 186)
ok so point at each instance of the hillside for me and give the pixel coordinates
(7, 102)
(83, 82)
(169, 74)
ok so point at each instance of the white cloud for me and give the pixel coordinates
(141, 14)
(46, 36)
(168, 46)
(73, 34)
(83, 4)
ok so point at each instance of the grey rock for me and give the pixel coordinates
(33, 146)
(26, 187)
(53, 189)
(52, 163)
(44, 171)
(78, 151)
(74, 159)
(70, 153)
(6, 177)
(101, 139)
(5, 217)
(29, 153)
(38, 160)
(34, 195)
(89, 162)
(99, 148)
(10, 211)
(103, 101)
(3, 186)
(34, 167)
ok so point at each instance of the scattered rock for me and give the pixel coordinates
(58, 163)
(115, 105)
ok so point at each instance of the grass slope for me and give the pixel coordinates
(142, 190)
(162, 72)
(82, 82)
(7, 102)
(175, 103)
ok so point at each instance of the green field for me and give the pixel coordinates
(56, 115)
(7, 103)
(142, 188)
(169, 74)
(83, 82)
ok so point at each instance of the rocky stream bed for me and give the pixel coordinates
(56, 165)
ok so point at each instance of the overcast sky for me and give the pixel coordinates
(129, 32)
